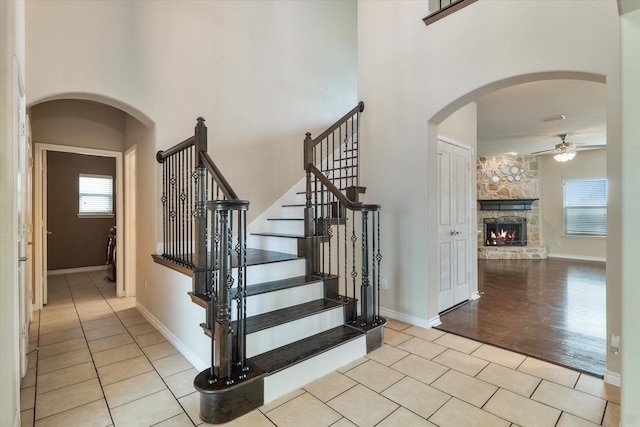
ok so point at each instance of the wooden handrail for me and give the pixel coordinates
(217, 175)
(161, 155)
(446, 11)
(348, 203)
(357, 109)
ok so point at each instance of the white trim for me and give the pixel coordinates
(76, 270)
(435, 321)
(454, 142)
(130, 254)
(613, 378)
(577, 257)
(40, 150)
(198, 363)
(475, 295)
(412, 320)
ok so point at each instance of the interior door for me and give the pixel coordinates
(453, 225)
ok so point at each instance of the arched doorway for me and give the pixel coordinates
(93, 126)
(553, 234)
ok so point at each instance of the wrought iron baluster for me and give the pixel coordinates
(163, 199)
(378, 261)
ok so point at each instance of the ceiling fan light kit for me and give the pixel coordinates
(564, 155)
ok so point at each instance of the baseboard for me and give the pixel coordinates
(475, 295)
(412, 320)
(197, 363)
(577, 257)
(613, 378)
(76, 270)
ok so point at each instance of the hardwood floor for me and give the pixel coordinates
(553, 309)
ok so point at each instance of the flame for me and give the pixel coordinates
(502, 237)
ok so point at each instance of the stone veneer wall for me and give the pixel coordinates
(523, 184)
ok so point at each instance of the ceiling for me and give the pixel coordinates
(509, 120)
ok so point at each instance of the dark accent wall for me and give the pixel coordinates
(75, 242)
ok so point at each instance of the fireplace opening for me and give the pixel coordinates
(505, 231)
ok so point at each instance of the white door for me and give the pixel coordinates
(453, 225)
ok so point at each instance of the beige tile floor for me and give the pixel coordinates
(95, 361)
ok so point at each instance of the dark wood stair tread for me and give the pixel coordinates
(291, 236)
(299, 351)
(278, 317)
(254, 257)
(285, 219)
(276, 285)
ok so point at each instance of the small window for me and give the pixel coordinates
(585, 207)
(95, 195)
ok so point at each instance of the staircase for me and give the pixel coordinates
(279, 299)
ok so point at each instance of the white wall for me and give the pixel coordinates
(412, 77)
(590, 164)
(261, 73)
(11, 70)
(630, 345)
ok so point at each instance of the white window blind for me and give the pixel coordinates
(95, 195)
(585, 207)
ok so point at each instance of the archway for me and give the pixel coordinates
(482, 91)
(97, 126)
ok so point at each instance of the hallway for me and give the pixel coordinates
(96, 361)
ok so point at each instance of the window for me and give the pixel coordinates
(585, 207)
(95, 195)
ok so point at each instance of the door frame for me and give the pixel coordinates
(41, 222)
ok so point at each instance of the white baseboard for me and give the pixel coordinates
(613, 378)
(197, 363)
(76, 270)
(577, 257)
(412, 320)
(475, 295)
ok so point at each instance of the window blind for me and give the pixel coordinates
(585, 207)
(95, 195)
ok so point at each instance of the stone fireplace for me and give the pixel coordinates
(508, 192)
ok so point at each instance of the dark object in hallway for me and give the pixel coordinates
(553, 309)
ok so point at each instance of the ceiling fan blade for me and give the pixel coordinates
(551, 150)
(590, 147)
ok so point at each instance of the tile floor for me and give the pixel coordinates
(95, 361)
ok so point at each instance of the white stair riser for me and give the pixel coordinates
(298, 375)
(285, 227)
(270, 301)
(269, 339)
(270, 243)
(274, 271)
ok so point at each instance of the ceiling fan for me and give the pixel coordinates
(566, 151)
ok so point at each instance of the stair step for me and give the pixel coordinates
(278, 317)
(277, 285)
(285, 219)
(285, 235)
(299, 351)
(289, 314)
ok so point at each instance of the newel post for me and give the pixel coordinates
(200, 214)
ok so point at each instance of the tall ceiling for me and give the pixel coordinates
(509, 120)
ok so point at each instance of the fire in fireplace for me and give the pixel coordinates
(505, 231)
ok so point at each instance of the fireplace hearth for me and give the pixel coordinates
(505, 231)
